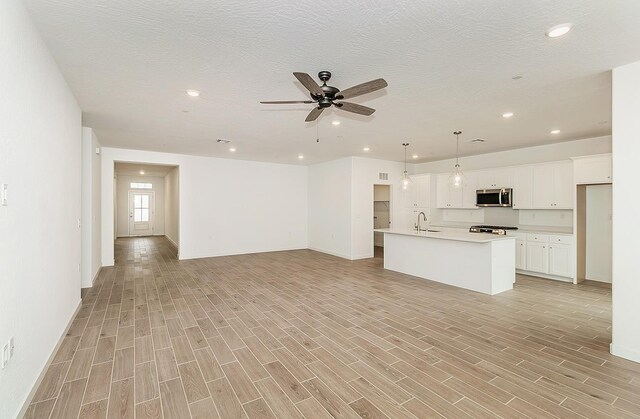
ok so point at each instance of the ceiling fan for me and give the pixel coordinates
(325, 96)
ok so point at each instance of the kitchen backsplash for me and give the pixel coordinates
(555, 220)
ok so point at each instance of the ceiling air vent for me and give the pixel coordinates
(383, 176)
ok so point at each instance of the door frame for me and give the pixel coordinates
(152, 210)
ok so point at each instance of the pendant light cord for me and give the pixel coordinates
(457, 134)
(405, 156)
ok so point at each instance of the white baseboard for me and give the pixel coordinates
(202, 256)
(32, 393)
(171, 241)
(328, 252)
(545, 276)
(626, 353)
(366, 256)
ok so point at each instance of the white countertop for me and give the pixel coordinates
(528, 229)
(446, 235)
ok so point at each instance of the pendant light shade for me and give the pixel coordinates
(406, 180)
(456, 178)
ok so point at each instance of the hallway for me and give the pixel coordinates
(304, 334)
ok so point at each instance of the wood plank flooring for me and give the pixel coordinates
(301, 334)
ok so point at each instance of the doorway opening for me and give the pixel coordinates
(381, 216)
(146, 201)
(594, 233)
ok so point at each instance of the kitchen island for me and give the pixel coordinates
(474, 261)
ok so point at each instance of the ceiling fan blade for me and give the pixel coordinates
(308, 82)
(314, 114)
(355, 108)
(361, 89)
(285, 102)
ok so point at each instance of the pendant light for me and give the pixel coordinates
(456, 178)
(406, 180)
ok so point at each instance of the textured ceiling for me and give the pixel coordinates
(449, 65)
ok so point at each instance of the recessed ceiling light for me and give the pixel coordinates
(366, 149)
(232, 149)
(415, 156)
(555, 131)
(193, 93)
(507, 114)
(559, 30)
(335, 122)
(300, 156)
(477, 140)
(142, 172)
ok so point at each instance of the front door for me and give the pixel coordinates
(141, 213)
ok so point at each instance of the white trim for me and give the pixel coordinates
(328, 252)
(251, 252)
(172, 242)
(623, 352)
(93, 280)
(545, 276)
(34, 389)
(364, 256)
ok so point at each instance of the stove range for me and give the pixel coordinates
(500, 230)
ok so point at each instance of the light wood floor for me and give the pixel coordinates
(303, 334)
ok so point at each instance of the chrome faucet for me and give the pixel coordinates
(418, 225)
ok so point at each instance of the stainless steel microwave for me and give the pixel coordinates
(494, 197)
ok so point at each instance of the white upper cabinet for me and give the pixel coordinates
(563, 185)
(523, 187)
(535, 186)
(552, 186)
(469, 190)
(447, 197)
(592, 169)
(422, 185)
(495, 178)
(418, 194)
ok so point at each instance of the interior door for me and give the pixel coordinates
(141, 213)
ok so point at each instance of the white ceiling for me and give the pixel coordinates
(449, 65)
(133, 169)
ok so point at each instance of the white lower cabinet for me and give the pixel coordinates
(521, 254)
(547, 254)
(560, 256)
(537, 257)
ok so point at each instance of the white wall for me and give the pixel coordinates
(91, 218)
(528, 155)
(226, 206)
(172, 206)
(329, 203)
(341, 204)
(626, 229)
(123, 184)
(40, 160)
(365, 174)
(598, 233)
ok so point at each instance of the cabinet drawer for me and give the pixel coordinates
(561, 239)
(542, 238)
